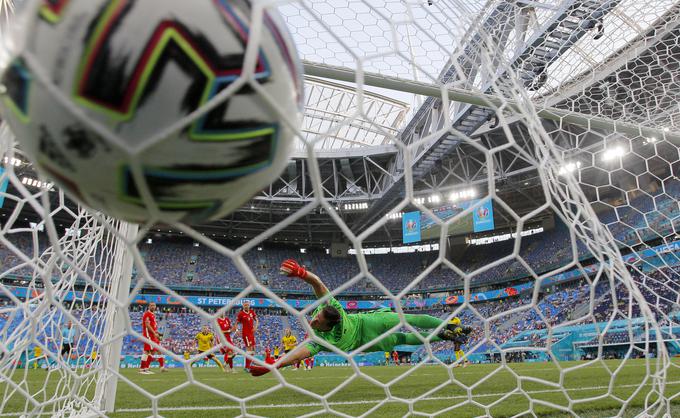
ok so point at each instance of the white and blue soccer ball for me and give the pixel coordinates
(93, 90)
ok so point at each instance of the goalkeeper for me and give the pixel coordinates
(347, 332)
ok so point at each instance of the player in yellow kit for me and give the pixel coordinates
(289, 343)
(461, 337)
(37, 356)
(205, 340)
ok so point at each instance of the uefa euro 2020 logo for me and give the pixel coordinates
(411, 225)
(483, 212)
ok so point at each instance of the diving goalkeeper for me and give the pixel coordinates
(350, 331)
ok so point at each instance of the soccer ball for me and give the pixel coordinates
(106, 99)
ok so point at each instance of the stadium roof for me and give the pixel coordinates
(415, 42)
(333, 121)
(357, 159)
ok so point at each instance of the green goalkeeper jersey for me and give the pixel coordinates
(345, 335)
(356, 330)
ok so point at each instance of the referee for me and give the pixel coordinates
(68, 335)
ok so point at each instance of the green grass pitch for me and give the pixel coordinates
(438, 388)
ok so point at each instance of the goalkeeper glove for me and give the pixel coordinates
(256, 371)
(291, 268)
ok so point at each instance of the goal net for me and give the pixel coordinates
(62, 304)
(534, 146)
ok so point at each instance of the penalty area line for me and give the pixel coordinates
(366, 402)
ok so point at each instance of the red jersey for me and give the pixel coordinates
(268, 356)
(247, 320)
(225, 325)
(149, 317)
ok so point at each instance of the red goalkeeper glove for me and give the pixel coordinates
(291, 268)
(256, 371)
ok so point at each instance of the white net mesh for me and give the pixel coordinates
(562, 113)
(54, 319)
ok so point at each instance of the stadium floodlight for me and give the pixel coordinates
(462, 194)
(393, 216)
(16, 162)
(37, 183)
(435, 198)
(612, 153)
(569, 167)
(355, 206)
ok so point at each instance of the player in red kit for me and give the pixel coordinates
(150, 331)
(225, 326)
(268, 359)
(249, 323)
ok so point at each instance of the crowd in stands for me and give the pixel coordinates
(182, 262)
(177, 261)
(507, 318)
(660, 289)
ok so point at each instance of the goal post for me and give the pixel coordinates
(116, 318)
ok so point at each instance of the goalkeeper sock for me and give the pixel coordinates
(230, 361)
(459, 354)
(247, 363)
(161, 361)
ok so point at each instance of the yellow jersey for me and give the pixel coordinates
(93, 355)
(37, 351)
(186, 355)
(276, 351)
(204, 341)
(289, 342)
